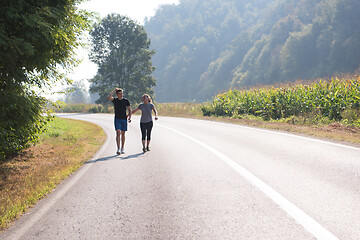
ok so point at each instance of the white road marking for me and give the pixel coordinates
(315, 228)
(281, 133)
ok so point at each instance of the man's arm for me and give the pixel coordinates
(129, 110)
(110, 97)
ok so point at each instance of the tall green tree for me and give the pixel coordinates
(121, 49)
(36, 37)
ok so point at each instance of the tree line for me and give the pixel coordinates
(206, 46)
(38, 40)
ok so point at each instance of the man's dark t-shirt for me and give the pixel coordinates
(120, 107)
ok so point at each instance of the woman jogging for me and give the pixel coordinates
(146, 122)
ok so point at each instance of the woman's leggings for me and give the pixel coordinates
(146, 130)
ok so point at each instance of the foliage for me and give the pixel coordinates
(190, 36)
(207, 46)
(36, 171)
(76, 93)
(120, 48)
(330, 99)
(164, 109)
(21, 120)
(179, 109)
(82, 108)
(36, 37)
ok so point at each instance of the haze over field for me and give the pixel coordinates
(206, 46)
(86, 70)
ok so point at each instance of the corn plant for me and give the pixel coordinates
(327, 98)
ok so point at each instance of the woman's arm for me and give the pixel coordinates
(156, 113)
(134, 111)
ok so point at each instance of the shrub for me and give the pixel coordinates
(81, 108)
(21, 120)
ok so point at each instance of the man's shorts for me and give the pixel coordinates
(120, 124)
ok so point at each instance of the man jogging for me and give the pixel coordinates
(121, 104)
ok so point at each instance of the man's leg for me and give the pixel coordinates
(122, 139)
(123, 131)
(118, 133)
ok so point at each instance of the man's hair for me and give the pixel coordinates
(119, 90)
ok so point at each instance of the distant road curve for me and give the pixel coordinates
(203, 180)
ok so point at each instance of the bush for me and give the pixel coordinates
(98, 109)
(21, 120)
(81, 108)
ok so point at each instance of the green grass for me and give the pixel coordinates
(61, 107)
(179, 109)
(26, 178)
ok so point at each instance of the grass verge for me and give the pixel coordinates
(188, 110)
(36, 171)
(322, 129)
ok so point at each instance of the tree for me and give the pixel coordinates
(76, 93)
(36, 37)
(120, 48)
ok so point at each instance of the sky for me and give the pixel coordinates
(137, 10)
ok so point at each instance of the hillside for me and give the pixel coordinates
(206, 46)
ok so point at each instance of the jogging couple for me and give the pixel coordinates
(123, 114)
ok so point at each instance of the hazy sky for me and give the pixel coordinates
(135, 9)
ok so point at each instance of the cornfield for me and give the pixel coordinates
(325, 98)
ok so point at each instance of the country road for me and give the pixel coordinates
(203, 180)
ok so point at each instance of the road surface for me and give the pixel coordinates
(203, 180)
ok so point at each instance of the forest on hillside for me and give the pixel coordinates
(206, 46)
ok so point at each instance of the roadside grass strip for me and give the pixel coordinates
(36, 171)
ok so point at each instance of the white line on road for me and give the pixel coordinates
(279, 132)
(292, 135)
(300, 216)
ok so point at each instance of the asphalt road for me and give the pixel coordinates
(203, 180)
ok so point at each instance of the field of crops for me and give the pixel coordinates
(332, 99)
(81, 108)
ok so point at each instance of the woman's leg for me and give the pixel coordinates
(148, 134)
(143, 133)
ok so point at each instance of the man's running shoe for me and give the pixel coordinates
(118, 152)
(147, 148)
(122, 151)
(144, 149)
